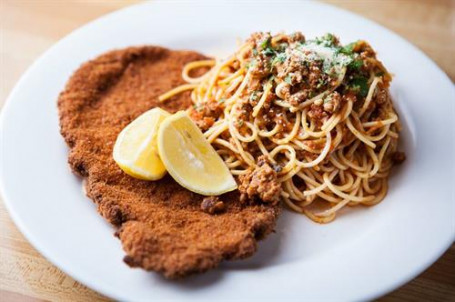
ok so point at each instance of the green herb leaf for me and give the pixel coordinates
(288, 79)
(266, 43)
(268, 52)
(255, 52)
(280, 58)
(326, 40)
(348, 49)
(253, 96)
(251, 64)
(321, 82)
(329, 37)
(356, 64)
(360, 85)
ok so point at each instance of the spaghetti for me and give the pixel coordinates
(317, 112)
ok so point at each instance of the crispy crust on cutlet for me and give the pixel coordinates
(160, 224)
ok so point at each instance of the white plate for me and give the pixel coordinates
(363, 254)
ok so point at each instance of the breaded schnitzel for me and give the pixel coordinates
(161, 224)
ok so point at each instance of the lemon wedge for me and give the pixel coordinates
(190, 159)
(136, 151)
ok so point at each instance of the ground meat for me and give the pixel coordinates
(332, 102)
(293, 68)
(259, 67)
(294, 37)
(316, 113)
(280, 121)
(381, 96)
(254, 85)
(349, 97)
(295, 77)
(365, 50)
(260, 182)
(203, 122)
(283, 90)
(314, 75)
(298, 97)
(205, 116)
(303, 155)
(398, 157)
(297, 37)
(258, 37)
(244, 113)
(212, 205)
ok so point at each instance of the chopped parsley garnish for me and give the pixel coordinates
(254, 96)
(359, 85)
(279, 58)
(356, 64)
(266, 43)
(321, 82)
(326, 40)
(288, 79)
(251, 64)
(221, 100)
(268, 51)
(348, 49)
(255, 52)
(329, 37)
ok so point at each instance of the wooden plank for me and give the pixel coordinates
(430, 25)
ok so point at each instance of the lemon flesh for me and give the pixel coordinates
(190, 159)
(136, 150)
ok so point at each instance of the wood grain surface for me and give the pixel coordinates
(28, 28)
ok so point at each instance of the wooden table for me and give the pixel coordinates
(28, 28)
